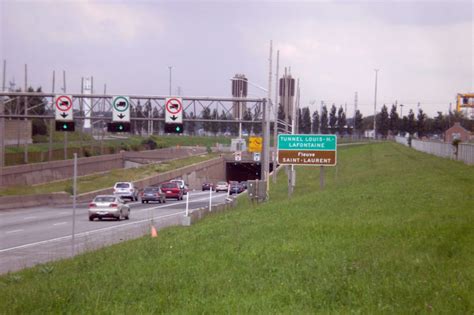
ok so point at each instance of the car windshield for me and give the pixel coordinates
(150, 189)
(122, 185)
(104, 199)
(221, 183)
(169, 185)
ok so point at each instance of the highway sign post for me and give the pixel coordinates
(255, 144)
(316, 150)
(63, 112)
(174, 115)
(120, 115)
(121, 109)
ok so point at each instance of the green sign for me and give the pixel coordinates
(307, 149)
(307, 142)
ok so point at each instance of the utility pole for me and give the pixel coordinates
(401, 111)
(375, 104)
(25, 151)
(267, 119)
(170, 68)
(65, 133)
(275, 123)
(355, 109)
(2, 125)
(51, 122)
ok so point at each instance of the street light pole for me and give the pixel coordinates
(170, 68)
(375, 104)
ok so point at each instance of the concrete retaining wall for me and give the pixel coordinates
(195, 172)
(37, 173)
(13, 202)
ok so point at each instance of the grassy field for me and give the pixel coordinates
(392, 232)
(105, 180)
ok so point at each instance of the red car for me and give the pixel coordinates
(172, 190)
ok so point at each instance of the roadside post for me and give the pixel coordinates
(210, 200)
(313, 150)
(187, 204)
(74, 191)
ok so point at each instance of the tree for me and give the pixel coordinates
(257, 116)
(247, 127)
(190, 126)
(315, 123)
(206, 114)
(394, 121)
(324, 120)
(156, 126)
(411, 124)
(299, 115)
(139, 114)
(383, 122)
(223, 125)
(215, 124)
(439, 124)
(341, 121)
(420, 124)
(358, 121)
(305, 126)
(333, 119)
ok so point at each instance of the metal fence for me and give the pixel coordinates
(466, 153)
(446, 150)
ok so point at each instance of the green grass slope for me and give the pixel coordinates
(392, 232)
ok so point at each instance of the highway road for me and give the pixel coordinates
(38, 235)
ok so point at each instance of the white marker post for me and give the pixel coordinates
(210, 200)
(74, 191)
(187, 204)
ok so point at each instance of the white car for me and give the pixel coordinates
(126, 190)
(222, 186)
(108, 206)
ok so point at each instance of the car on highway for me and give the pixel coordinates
(235, 188)
(108, 206)
(181, 184)
(152, 193)
(222, 186)
(172, 190)
(126, 190)
(244, 184)
(207, 186)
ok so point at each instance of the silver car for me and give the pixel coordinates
(108, 206)
(126, 190)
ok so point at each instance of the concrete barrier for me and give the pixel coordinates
(199, 214)
(14, 202)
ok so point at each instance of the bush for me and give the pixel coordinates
(149, 144)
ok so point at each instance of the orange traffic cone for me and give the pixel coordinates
(154, 233)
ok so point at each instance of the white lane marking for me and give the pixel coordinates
(100, 230)
(27, 218)
(60, 223)
(63, 212)
(86, 233)
(14, 231)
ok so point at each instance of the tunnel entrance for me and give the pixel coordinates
(243, 171)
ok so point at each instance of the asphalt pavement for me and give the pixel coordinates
(42, 234)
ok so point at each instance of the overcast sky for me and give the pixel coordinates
(424, 49)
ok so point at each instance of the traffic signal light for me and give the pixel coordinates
(118, 127)
(173, 128)
(64, 125)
